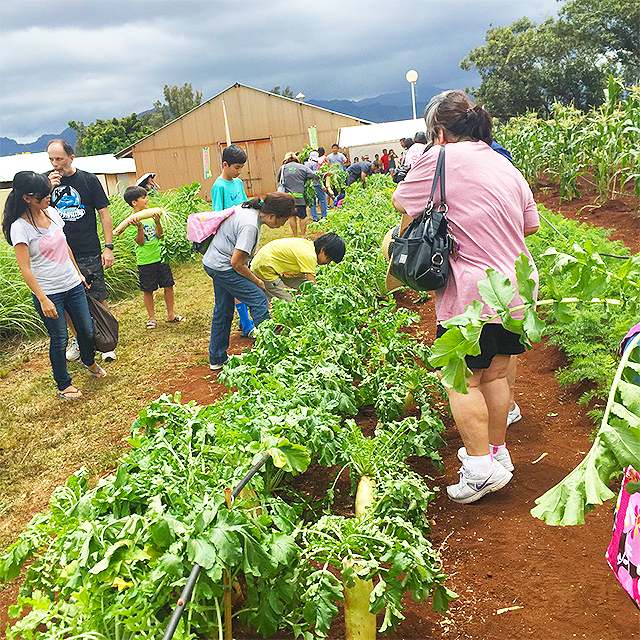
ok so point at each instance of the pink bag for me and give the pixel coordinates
(623, 554)
(204, 224)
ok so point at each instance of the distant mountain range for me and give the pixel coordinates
(383, 108)
(9, 147)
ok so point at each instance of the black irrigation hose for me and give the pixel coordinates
(187, 590)
(604, 255)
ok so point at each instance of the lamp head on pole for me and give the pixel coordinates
(300, 96)
(412, 75)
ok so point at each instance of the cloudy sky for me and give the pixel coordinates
(64, 60)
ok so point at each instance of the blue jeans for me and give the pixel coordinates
(228, 285)
(74, 302)
(321, 197)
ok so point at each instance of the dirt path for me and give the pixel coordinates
(498, 556)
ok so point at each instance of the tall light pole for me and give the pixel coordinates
(412, 76)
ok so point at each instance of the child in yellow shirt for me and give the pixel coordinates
(289, 262)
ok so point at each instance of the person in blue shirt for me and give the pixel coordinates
(227, 192)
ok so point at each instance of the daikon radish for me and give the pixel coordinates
(136, 217)
(359, 622)
(364, 494)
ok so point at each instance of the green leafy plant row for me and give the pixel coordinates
(591, 338)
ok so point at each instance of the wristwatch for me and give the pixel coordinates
(108, 246)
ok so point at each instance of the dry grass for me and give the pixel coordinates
(43, 439)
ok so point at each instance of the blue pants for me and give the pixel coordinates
(227, 286)
(74, 302)
(321, 197)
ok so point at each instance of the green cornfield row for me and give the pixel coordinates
(603, 144)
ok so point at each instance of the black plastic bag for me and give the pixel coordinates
(105, 326)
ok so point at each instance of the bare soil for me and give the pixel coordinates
(515, 576)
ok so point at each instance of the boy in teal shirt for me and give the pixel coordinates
(227, 192)
(152, 272)
(228, 189)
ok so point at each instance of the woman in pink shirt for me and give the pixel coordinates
(491, 210)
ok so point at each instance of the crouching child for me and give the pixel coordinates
(288, 262)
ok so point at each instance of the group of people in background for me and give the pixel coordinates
(249, 281)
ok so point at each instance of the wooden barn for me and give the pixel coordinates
(266, 125)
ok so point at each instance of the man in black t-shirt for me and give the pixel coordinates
(77, 195)
(360, 171)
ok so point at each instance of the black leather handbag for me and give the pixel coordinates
(419, 258)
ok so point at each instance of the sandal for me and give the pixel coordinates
(177, 319)
(100, 373)
(151, 324)
(70, 393)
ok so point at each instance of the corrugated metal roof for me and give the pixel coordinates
(246, 86)
(39, 162)
(379, 133)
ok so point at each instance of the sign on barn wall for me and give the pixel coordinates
(206, 162)
(313, 136)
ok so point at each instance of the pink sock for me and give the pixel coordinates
(499, 448)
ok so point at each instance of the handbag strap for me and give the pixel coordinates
(439, 174)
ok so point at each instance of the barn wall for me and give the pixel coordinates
(265, 125)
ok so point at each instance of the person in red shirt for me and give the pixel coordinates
(384, 161)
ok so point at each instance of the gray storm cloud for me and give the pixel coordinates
(91, 59)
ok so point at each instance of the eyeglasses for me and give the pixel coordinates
(38, 196)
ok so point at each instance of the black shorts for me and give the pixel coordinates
(301, 211)
(494, 340)
(91, 268)
(154, 275)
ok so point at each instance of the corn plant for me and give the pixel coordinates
(604, 142)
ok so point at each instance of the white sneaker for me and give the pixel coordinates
(218, 365)
(502, 457)
(514, 415)
(109, 356)
(73, 352)
(472, 487)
